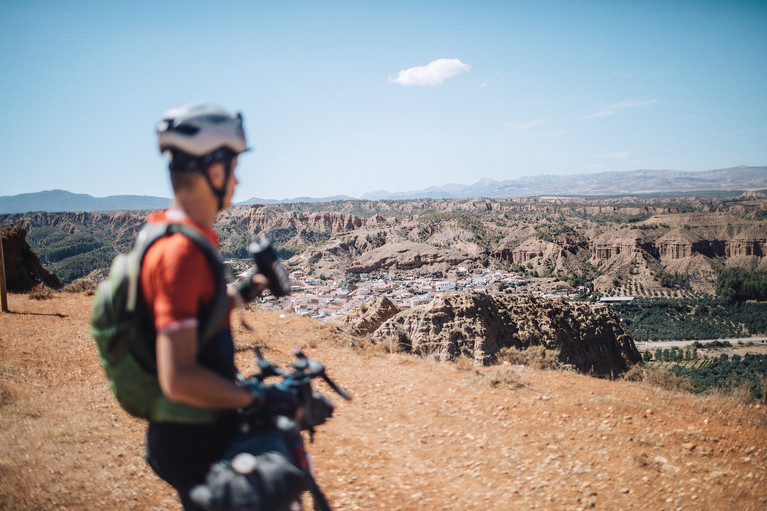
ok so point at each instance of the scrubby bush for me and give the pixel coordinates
(658, 377)
(503, 376)
(41, 292)
(537, 357)
(80, 286)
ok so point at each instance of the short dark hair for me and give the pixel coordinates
(180, 179)
(183, 168)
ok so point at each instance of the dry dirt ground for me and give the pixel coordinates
(418, 434)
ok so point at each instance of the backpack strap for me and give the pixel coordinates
(155, 231)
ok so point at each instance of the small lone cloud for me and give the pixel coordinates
(620, 107)
(433, 73)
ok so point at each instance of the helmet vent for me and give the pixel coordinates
(186, 129)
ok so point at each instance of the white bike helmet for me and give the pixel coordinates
(198, 130)
(191, 137)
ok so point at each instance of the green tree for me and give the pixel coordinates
(739, 285)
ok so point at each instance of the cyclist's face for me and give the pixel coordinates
(231, 185)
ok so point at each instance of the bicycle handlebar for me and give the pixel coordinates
(304, 368)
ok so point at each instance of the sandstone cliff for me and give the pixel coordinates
(691, 244)
(479, 326)
(23, 270)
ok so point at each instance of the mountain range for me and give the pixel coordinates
(599, 184)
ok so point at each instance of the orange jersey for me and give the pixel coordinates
(177, 280)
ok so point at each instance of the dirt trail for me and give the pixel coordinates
(418, 434)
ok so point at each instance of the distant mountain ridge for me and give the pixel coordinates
(603, 183)
(62, 200)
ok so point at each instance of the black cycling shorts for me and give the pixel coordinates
(182, 454)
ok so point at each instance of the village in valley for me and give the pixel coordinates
(325, 298)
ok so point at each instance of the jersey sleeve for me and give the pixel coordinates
(177, 281)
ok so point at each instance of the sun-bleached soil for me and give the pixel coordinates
(418, 434)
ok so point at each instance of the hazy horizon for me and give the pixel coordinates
(673, 182)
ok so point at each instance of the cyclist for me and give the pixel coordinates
(201, 144)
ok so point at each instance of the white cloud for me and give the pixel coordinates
(527, 125)
(620, 107)
(434, 73)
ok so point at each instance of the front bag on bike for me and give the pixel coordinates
(256, 474)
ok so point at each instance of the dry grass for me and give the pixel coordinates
(536, 357)
(464, 363)
(88, 287)
(389, 346)
(657, 377)
(737, 394)
(504, 376)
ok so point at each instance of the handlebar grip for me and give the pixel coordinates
(341, 392)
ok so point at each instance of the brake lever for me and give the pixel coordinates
(267, 368)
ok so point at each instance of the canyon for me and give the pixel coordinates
(616, 246)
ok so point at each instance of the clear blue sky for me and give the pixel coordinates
(352, 97)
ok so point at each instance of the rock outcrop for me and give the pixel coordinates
(23, 270)
(406, 255)
(366, 318)
(587, 336)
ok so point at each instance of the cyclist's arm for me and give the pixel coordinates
(184, 380)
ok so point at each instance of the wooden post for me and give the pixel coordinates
(3, 294)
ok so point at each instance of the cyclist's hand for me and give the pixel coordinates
(257, 390)
(318, 410)
(280, 401)
(252, 287)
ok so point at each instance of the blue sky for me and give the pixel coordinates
(344, 98)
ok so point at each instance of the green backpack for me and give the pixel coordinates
(125, 335)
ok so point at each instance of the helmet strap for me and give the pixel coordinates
(220, 192)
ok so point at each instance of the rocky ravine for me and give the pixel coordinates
(479, 326)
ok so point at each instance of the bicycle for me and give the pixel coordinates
(268, 466)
